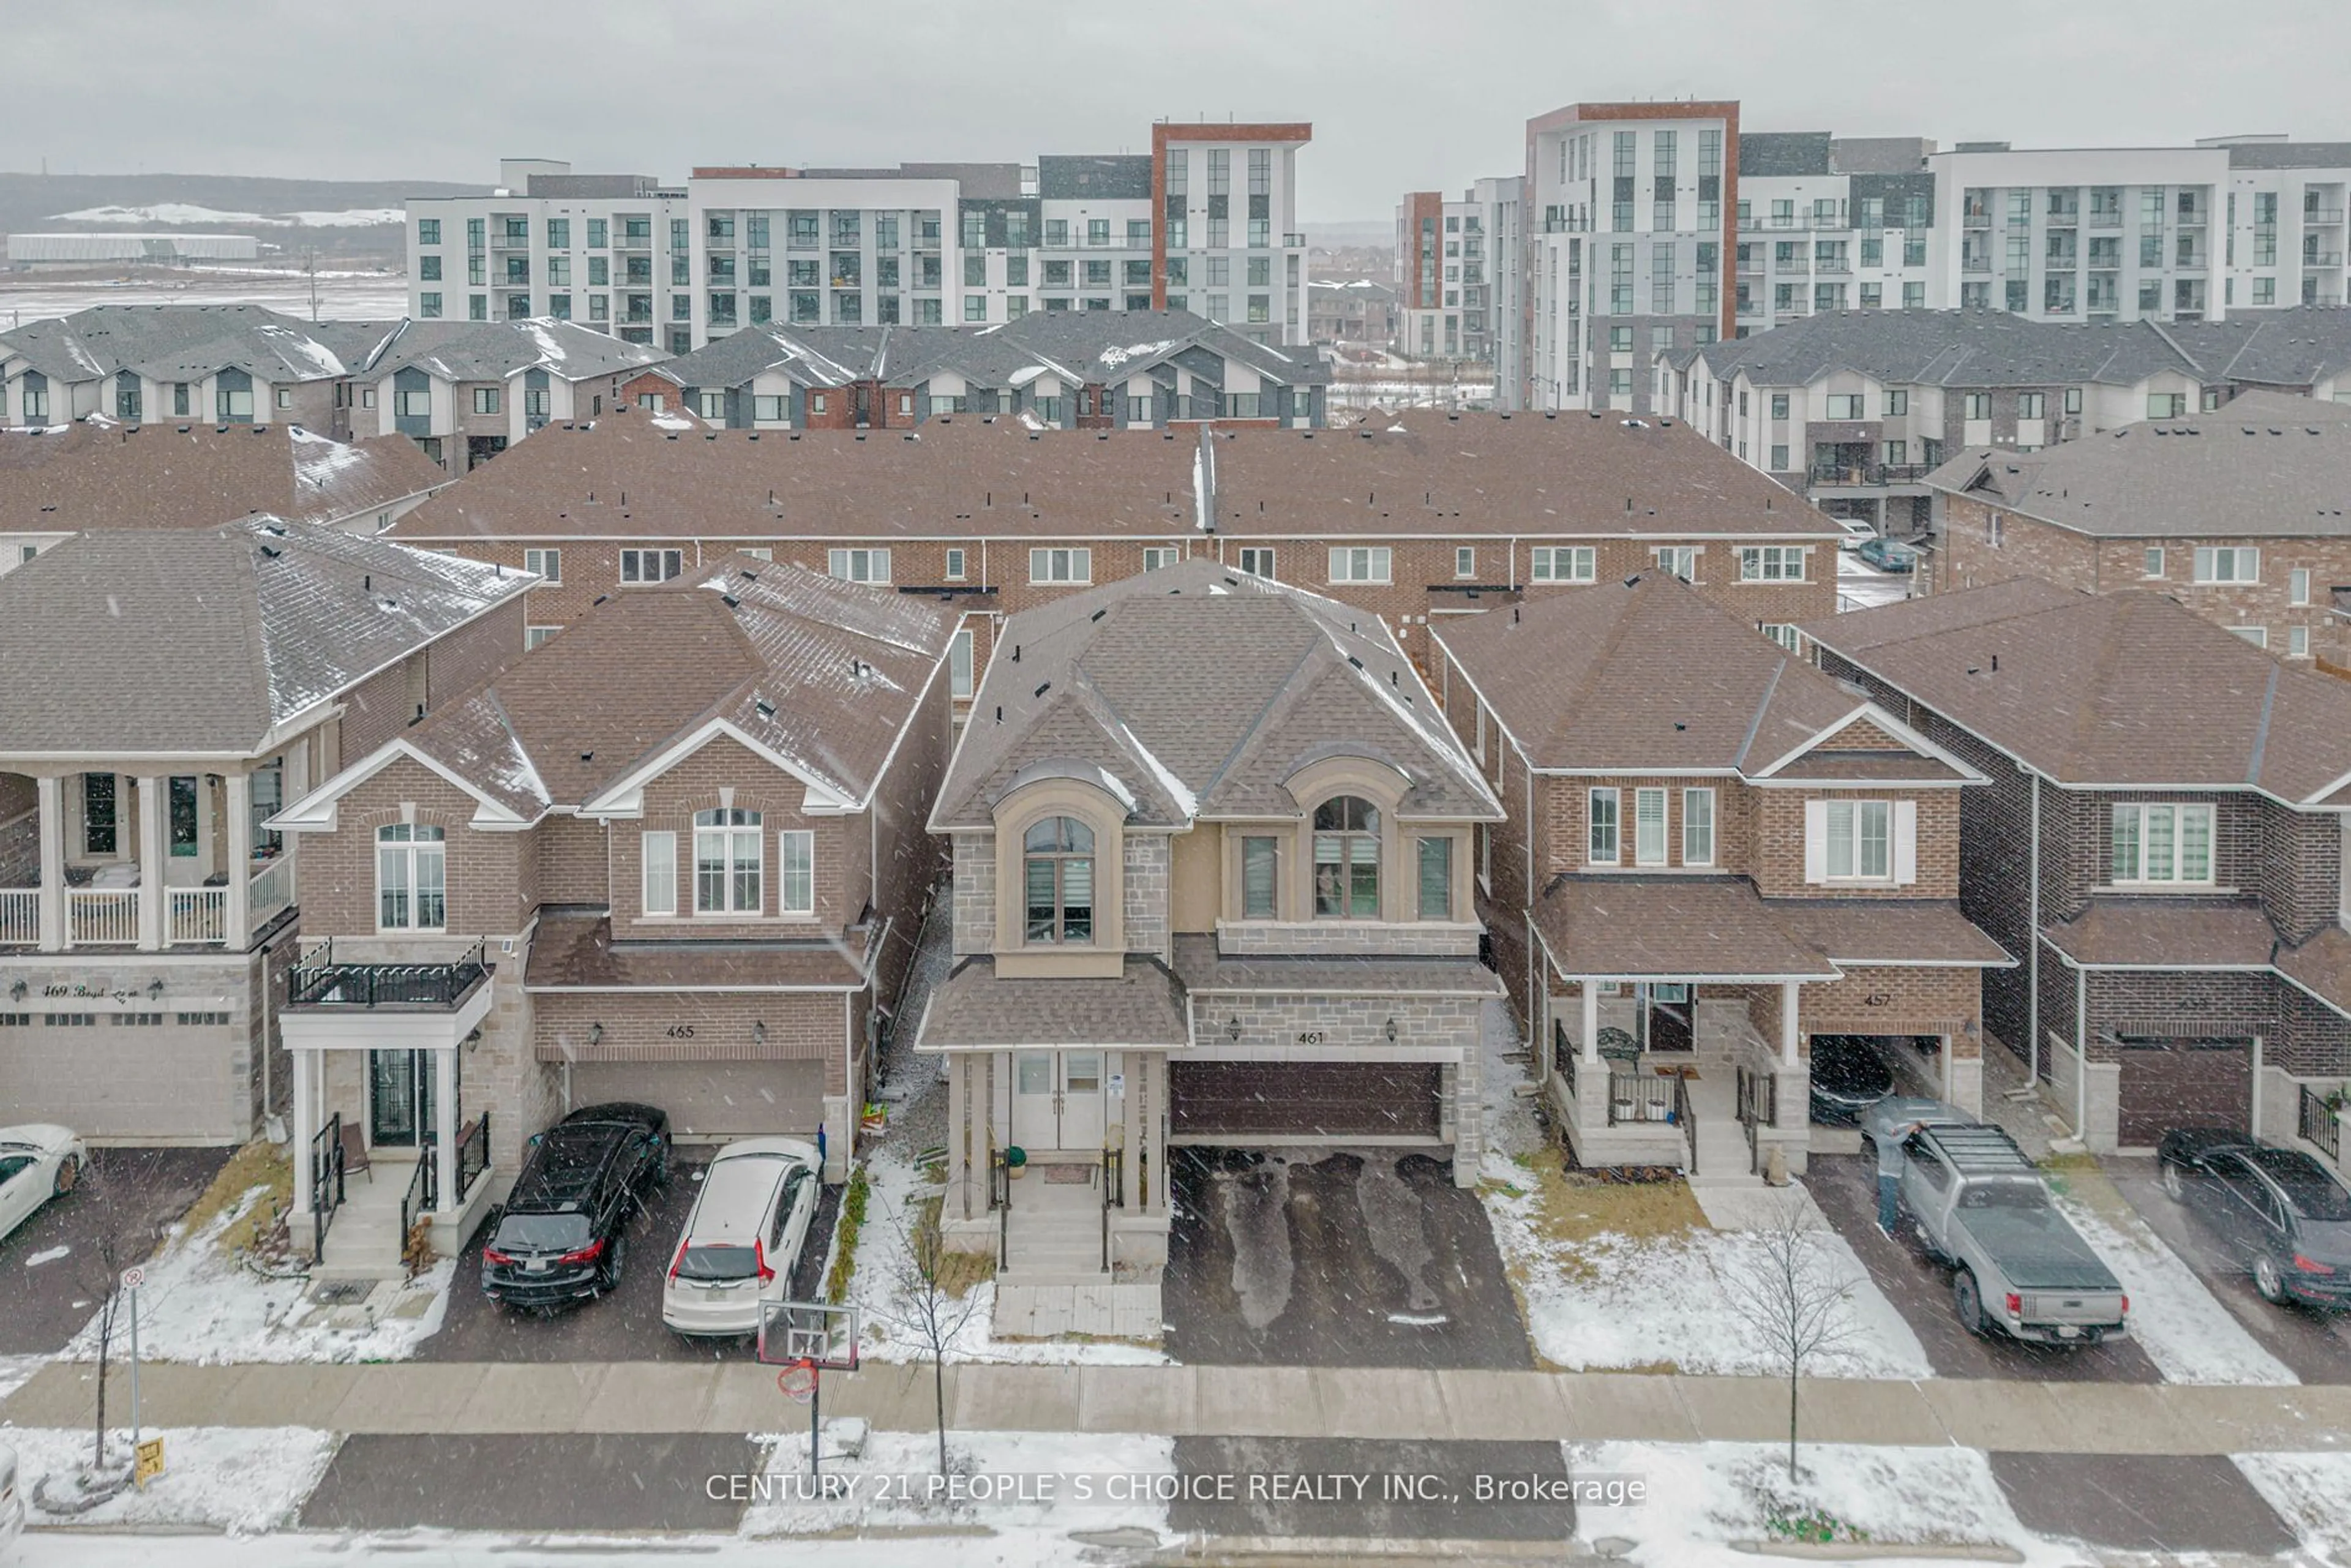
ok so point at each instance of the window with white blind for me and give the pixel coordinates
(954, 564)
(650, 565)
(1600, 822)
(726, 869)
(1159, 558)
(1677, 560)
(1061, 565)
(410, 878)
(546, 563)
(960, 664)
(1360, 563)
(1257, 561)
(2161, 844)
(659, 852)
(858, 565)
(1861, 841)
(2227, 563)
(1697, 827)
(1648, 827)
(1562, 563)
(1772, 563)
(796, 871)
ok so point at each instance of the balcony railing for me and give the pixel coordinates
(327, 984)
(271, 890)
(1867, 473)
(2321, 215)
(198, 915)
(1292, 241)
(2322, 258)
(1640, 1097)
(100, 916)
(20, 915)
(1832, 269)
(2322, 1123)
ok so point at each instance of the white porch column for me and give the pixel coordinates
(958, 1136)
(1133, 1064)
(444, 1119)
(240, 860)
(154, 851)
(1789, 1034)
(50, 823)
(1591, 1022)
(306, 1123)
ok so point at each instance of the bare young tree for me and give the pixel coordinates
(1793, 1293)
(925, 1306)
(102, 1275)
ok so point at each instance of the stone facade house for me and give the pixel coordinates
(1714, 853)
(676, 856)
(1212, 849)
(2160, 845)
(171, 690)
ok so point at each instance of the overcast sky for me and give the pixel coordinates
(1402, 96)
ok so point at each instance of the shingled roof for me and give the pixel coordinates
(493, 350)
(188, 342)
(98, 475)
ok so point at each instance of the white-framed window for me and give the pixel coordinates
(1648, 827)
(1677, 560)
(485, 399)
(2297, 585)
(1465, 560)
(1780, 631)
(1772, 563)
(412, 873)
(2228, 563)
(1435, 857)
(659, 852)
(546, 563)
(960, 664)
(1159, 558)
(1563, 563)
(2297, 642)
(1058, 565)
(770, 410)
(2159, 843)
(858, 565)
(1057, 871)
(1360, 563)
(955, 563)
(532, 636)
(1600, 823)
(650, 565)
(1347, 858)
(710, 405)
(414, 402)
(1697, 827)
(796, 871)
(1855, 840)
(2259, 637)
(1845, 405)
(285, 397)
(1257, 560)
(758, 552)
(2154, 567)
(726, 861)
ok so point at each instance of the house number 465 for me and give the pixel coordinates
(679, 1031)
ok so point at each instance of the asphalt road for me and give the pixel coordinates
(127, 1197)
(2142, 1502)
(1845, 1187)
(1361, 1489)
(625, 1325)
(537, 1481)
(1350, 1259)
(2315, 1345)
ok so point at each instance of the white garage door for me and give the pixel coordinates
(713, 1099)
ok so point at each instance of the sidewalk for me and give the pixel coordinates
(1213, 1401)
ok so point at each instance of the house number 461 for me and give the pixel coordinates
(1312, 1037)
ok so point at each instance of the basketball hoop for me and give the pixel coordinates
(798, 1382)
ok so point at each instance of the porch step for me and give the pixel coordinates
(1046, 1276)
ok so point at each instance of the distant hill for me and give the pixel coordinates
(338, 217)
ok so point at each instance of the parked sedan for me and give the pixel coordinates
(1857, 533)
(743, 1238)
(1848, 1077)
(2278, 1211)
(563, 1234)
(1889, 555)
(38, 1162)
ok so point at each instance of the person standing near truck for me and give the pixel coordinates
(1889, 1173)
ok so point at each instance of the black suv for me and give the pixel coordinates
(561, 1235)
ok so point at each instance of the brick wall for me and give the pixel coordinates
(1873, 999)
(843, 845)
(1778, 864)
(567, 861)
(337, 870)
(2298, 868)
(804, 1027)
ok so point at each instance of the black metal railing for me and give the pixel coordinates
(2321, 1123)
(1866, 472)
(1759, 1106)
(1687, 1116)
(1113, 1172)
(473, 1152)
(327, 983)
(1641, 1097)
(326, 1182)
(419, 1199)
(999, 1199)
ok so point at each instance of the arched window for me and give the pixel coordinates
(1058, 873)
(1347, 858)
(411, 877)
(726, 861)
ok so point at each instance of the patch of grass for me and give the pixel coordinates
(258, 1163)
(845, 1231)
(958, 1271)
(1571, 1209)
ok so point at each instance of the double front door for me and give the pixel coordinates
(1057, 1100)
(401, 1087)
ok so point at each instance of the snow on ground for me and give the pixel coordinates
(2182, 1326)
(243, 1479)
(886, 1322)
(199, 1306)
(2308, 1491)
(16, 1371)
(1042, 1482)
(179, 212)
(444, 1549)
(343, 296)
(1861, 585)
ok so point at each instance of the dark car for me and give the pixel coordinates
(562, 1234)
(2279, 1212)
(1889, 555)
(1848, 1077)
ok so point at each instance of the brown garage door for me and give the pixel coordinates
(713, 1099)
(1247, 1100)
(2184, 1083)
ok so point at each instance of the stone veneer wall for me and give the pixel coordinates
(1146, 858)
(975, 893)
(1319, 938)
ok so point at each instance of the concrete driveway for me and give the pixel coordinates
(2143, 1502)
(1361, 1257)
(1845, 1187)
(625, 1325)
(2315, 1345)
(126, 1197)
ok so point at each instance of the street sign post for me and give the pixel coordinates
(133, 1278)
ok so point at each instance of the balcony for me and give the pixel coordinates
(2106, 220)
(1975, 220)
(2321, 217)
(1832, 269)
(2322, 258)
(1293, 241)
(326, 984)
(1979, 265)
(1833, 476)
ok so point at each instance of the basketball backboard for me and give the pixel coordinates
(822, 1333)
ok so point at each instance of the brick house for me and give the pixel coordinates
(2236, 513)
(1714, 853)
(464, 392)
(677, 856)
(147, 906)
(2160, 845)
(1004, 518)
(1212, 881)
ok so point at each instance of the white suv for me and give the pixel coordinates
(743, 1238)
(11, 1505)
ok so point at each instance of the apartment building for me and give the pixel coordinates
(210, 364)
(175, 687)
(1444, 278)
(2163, 506)
(678, 858)
(1001, 517)
(1212, 847)
(1714, 853)
(1829, 224)
(1093, 370)
(2160, 846)
(54, 484)
(466, 391)
(1206, 220)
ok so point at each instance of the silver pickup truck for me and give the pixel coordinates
(2017, 1266)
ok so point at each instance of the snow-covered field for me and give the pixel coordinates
(245, 1480)
(198, 1306)
(342, 296)
(2312, 1492)
(186, 214)
(2182, 1326)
